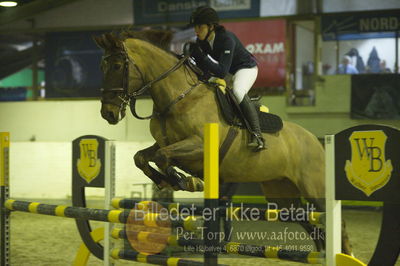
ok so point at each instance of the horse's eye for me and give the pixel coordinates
(117, 67)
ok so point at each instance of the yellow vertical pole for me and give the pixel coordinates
(211, 193)
(4, 145)
(211, 161)
(4, 194)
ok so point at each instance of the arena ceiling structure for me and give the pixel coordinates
(18, 48)
(24, 28)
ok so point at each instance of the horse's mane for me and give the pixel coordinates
(160, 38)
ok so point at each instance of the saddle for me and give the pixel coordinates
(230, 109)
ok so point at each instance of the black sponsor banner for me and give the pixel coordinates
(72, 65)
(164, 11)
(375, 96)
(334, 26)
(367, 164)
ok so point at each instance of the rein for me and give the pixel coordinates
(146, 87)
(130, 98)
(166, 109)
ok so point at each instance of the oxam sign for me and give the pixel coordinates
(265, 39)
(165, 11)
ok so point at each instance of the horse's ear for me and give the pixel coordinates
(99, 41)
(112, 41)
(102, 42)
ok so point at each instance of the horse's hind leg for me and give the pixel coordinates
(282, 190)
(313, 188)
(346, 245)
(285, 194)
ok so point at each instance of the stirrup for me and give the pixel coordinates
(257, 142)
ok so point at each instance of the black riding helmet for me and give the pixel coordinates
(204, 15)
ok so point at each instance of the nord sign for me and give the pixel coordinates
(336, 25)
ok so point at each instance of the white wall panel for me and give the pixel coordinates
(44, 170)
(56, 120)
(67, 120)
(358, 5)
(270, 8)
(40, 169)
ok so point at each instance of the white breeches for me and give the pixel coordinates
(243, 80)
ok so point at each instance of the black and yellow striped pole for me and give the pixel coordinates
(211, 194)
(131, 203)
(260, 251)
(4, 187)
(235, 213)
(112, 216)
(151, 237)
(156, 259)
(275, 215)
(273, 252)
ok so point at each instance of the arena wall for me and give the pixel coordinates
(42, 131)
(43, 170)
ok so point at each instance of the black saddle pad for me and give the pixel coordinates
(269, 123)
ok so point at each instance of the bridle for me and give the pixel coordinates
(130, 98)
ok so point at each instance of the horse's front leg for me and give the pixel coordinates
(186, 154)
(142, 159)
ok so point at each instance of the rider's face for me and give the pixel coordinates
(201, 31)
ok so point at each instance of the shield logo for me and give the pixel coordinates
(368, 169)
(88, 164)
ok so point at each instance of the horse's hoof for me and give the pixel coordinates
(189, 183)
(176, 188)
(181, 183)
(194, 184)
(186, 183)
(176, 179)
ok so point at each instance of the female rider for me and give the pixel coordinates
(219, 52)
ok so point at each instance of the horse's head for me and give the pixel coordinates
(115, 86)
(122, 78)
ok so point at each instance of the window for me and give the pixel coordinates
(365, 42)
(301, 65)
(372, 55)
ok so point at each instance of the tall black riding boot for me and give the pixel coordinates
(250, 113)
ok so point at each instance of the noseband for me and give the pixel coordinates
(130, 98)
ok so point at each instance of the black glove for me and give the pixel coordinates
(196, 52)
(186, 48)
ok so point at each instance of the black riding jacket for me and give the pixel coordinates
(229, 53)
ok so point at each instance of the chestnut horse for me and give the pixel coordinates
(291, 167)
